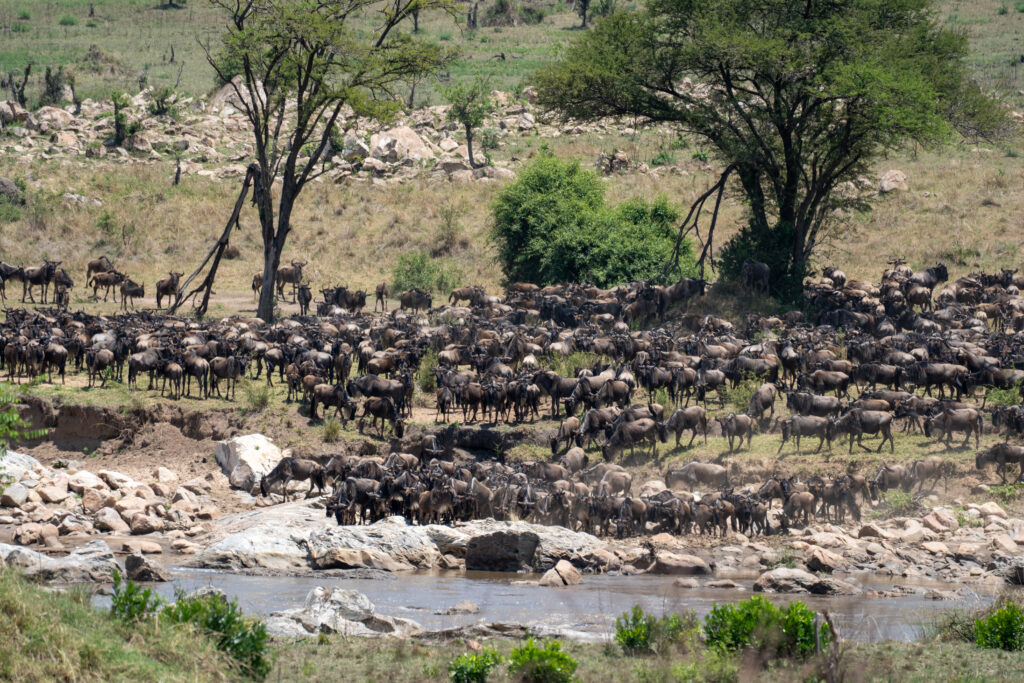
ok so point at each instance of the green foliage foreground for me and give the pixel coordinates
(552, 225)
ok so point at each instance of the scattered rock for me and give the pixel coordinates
(686, 583)
(1005, 544)
(140, 568)
(462, 607)
(144, 547)
(992, 508)
(347, 612)
(52, 494)
(142, 523)
(722, 583)
(935, 547)
(92, 562)
(165, 476)
(873, 531)
(83, 479)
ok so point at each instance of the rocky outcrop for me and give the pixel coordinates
(785, 580)
(297, 536)
(346, 612)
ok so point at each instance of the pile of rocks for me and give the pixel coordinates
(46, 506)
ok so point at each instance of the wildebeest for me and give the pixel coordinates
(737, 425)
(1002, 454)
(692, 418)
(38, 276)
(415, 299)
(382, 297)
(167, 287)
(858, 422)
(631, 433)
(756, 276)
(98, 265)
(290, 274)
(966, 420)
(131, 290)
(806, 425)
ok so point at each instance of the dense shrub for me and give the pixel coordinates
(637, 632)
(759, 624)
(473, 667)
(552, 225)
(130, 603)
(547, 664)
(242, 638)
(1003, 629)
(416, 269)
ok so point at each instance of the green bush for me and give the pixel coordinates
(24, 16)
(255, 397)
(130, 603)
(473, 667)
(1003, 397)
(425, 378)
(68, 20)
(1003, 629)
(603, 8)
(663, 158)
(633, 631)
(759, 624)
(416, 269)
(244, 639)
(637, 632)
(552, 225)
(548, 664)
(20, 28)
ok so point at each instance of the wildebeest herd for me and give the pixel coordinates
(877, 359)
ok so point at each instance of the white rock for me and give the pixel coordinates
(83, 479)
(892, 180)
(245, 459)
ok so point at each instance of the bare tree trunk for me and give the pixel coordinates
(469, 146)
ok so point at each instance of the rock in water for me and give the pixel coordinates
(90, 563)
(502, 551)
(140, 568)
(785, 580)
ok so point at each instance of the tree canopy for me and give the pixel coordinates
(552, 225)
(299, 62)
(794, 98)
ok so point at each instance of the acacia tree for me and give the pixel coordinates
(794, 98)
(299, 62)
(470, 104)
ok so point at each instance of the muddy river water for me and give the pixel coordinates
(587, 611)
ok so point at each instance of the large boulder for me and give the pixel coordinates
(17, 465)
(90, 563)
(141, 568)
(84, 479)
(398, 143)
(502, 551)
(390, 544)
(52, 118)
(892, 180)
(10, 192)
(14, 496)
(821, 560)
(785, 580)
(107, 519)
(245, 459)
(666, 562)
(234, 95)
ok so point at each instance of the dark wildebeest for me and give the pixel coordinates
(131, 290)
(930, 277)
(734, 426)
(293, 469)
(763, 399)
(693, 418)
(1002, 454)
(568, 432)
(756, 276)
(931, 468)
(98, 265)
(858, 422)
(806, 425)
(38, 276)
(382, 297)
(167, 287)
(106, 279)
(289, 275)
(966, 420)
(231, 369)
(305, 296)
(632, 433)
(383, 409)
(805, 403)
(415, 299)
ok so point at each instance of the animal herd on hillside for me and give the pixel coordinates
(912, 352)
